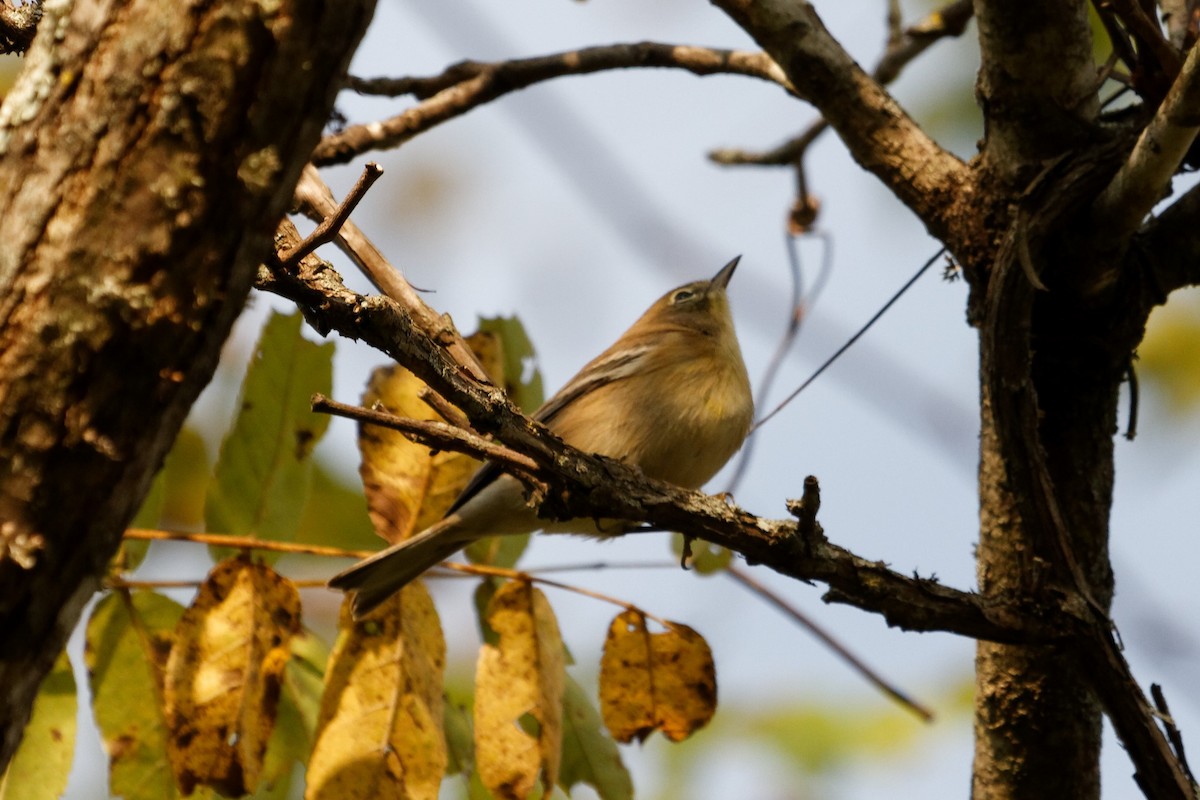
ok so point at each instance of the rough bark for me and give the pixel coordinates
(1034, 111)
(147, 152)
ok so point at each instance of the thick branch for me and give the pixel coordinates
(584, 485)
(881, 137)
(470, 84)
(1144, 178)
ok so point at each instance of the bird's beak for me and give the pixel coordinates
(721, 279)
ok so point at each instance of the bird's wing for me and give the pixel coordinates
(608, 367)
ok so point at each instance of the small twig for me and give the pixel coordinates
(518, 575)
(597, 565)
(849, 342)
(244, 543)
(121, 583)
(1173, 734)
(331, 225)
(800, 306)
(431, 433)
(316, 201)
(745, 579)
(807, 509)
(445, 409)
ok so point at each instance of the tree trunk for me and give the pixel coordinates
(148, 151)
(1053, 354)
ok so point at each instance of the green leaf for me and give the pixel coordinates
(522, 378)
(175, 499)
(483, 597)
(133, 551)
(188, 471)
(264, 471)
(42, 764)
(124, 659)
(1167, 355)
(304, 679)
(589, 755)
(460, 736)
(335, 514)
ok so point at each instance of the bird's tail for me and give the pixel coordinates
(388, 571)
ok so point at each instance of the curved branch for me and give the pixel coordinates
(470, 84)
(1144, 177)
(880, 135)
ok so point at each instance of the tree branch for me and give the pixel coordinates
(948, 21)
(582, 485)
(470, 84)
(880, 135)
(1144, 177)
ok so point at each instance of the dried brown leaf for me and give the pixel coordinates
(408, 486)
(655, 681)
(224, 673)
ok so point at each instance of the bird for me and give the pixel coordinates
(671, 397)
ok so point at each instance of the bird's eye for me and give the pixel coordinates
(682, 295)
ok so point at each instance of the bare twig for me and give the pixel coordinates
(518, 575)
(743, 577)
(801, 304)
(316, 200)
(1173, 734)
(244, 543)
(431, 433)
(329, 227)
(1144, 177)
(470, 84)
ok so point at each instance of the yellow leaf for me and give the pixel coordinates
(662, 681)
(379, 734)
(224, 673)
(519, 686)
(408, 486)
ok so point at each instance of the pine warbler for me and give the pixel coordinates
(670, 397)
